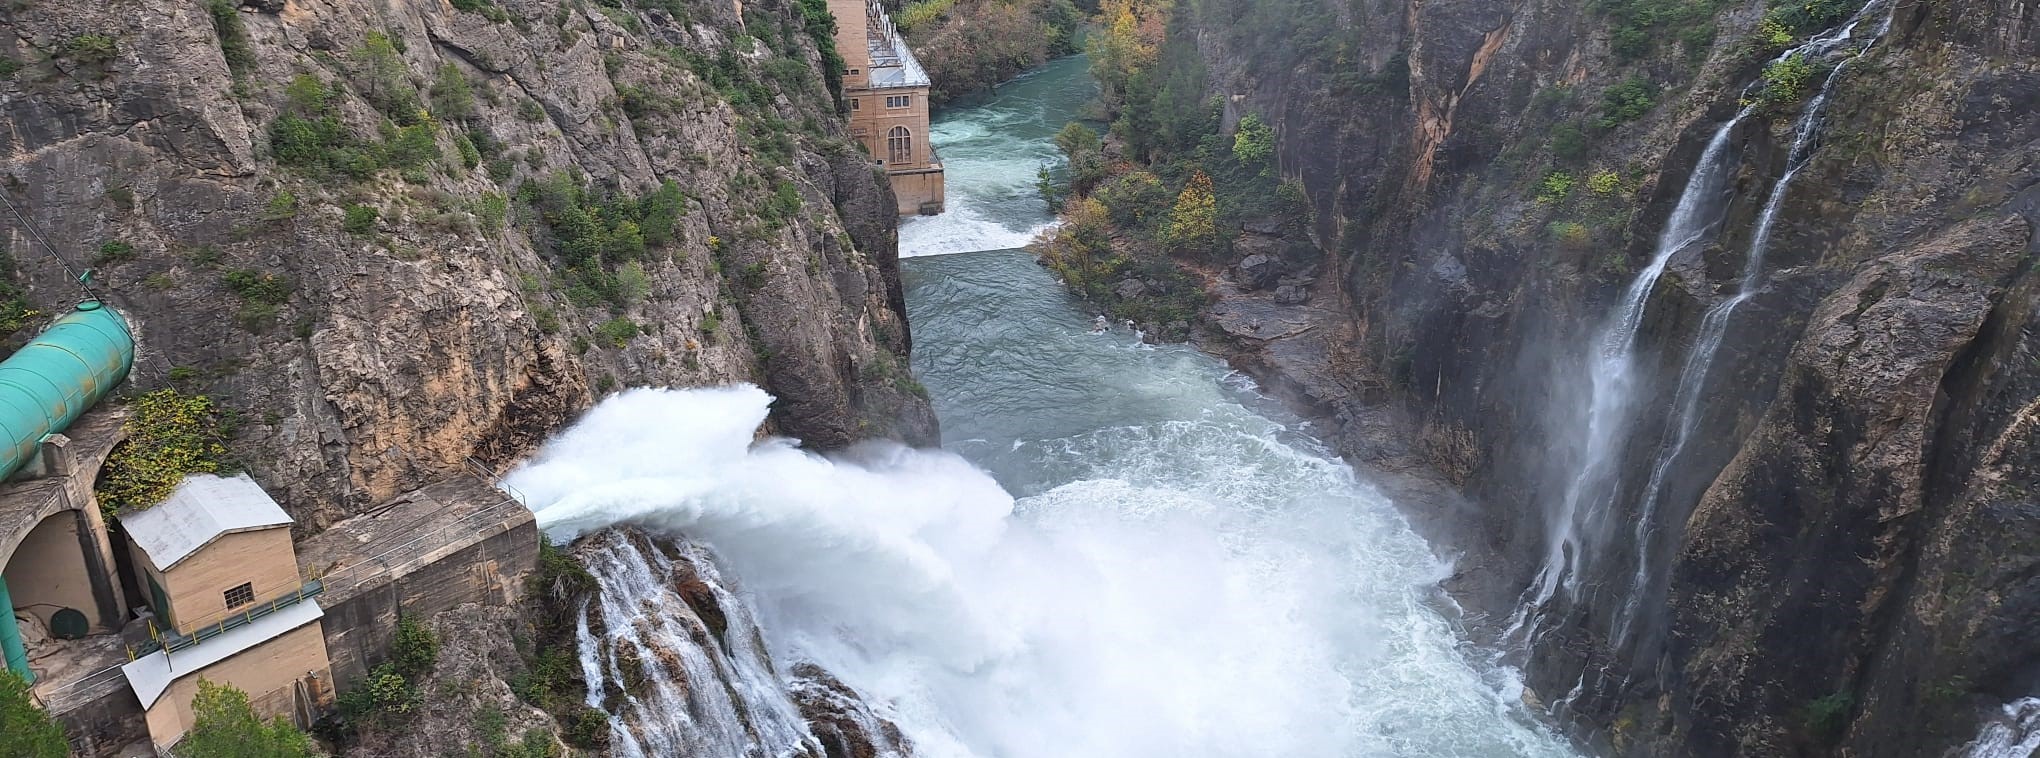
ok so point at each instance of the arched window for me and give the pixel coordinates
(899, 146)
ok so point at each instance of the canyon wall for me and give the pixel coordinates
(395, 237)
(1847, 540)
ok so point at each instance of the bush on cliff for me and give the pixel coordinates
(225, 726)
(26, 730)
(170, 436)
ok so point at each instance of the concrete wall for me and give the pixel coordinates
(267, 672)
(48, 572)
(197, 587)
(490, 570)
(918, 191)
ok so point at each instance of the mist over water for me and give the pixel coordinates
(1121, 549)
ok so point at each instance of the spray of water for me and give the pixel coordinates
(1200, 587)
(1707, 342)
(2015, 733)
(1578, 528)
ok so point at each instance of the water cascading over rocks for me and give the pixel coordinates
(1586, 549)
(673, 655)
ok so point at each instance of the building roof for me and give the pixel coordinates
(152, 674)
(893, 64)
(202, 509)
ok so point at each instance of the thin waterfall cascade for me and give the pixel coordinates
(1699, 360)
(1578, 528)
(679, 664)
(2013, 733)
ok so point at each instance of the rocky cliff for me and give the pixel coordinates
(1840, 557)
(395, 237)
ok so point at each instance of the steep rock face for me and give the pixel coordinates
(1857, 562)
(473, 311)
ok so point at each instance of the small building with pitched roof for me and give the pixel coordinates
(222, 579)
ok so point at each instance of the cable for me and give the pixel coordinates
(76, 277)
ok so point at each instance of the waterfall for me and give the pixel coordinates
(1612, 368)
(1714, 324)
(1577, 530)
(679, 664)
(2015, 733)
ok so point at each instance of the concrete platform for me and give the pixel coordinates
(457, 541)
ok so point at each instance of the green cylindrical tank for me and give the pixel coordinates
(51, 381)
(13, 656)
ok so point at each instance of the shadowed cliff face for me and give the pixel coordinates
(1848, 533)
(383, 294)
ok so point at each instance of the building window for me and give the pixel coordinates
(852, 72)
(899, 146)
(854, 102)
(898, 101)
(240, 596)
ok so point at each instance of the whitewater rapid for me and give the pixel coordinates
(1120, 551)
(1206, 589)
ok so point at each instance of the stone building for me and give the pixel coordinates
(888, 99)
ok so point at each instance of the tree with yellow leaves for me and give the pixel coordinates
(1193, 223)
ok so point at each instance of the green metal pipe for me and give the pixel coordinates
(51, 381)
(10, 637)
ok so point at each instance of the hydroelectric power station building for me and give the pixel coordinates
(888, 99)
(114, 621)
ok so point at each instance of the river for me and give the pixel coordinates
(1120, 550)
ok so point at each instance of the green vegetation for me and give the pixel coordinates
(262, 295)
(309, 136)
(495, 733)
(1788, 81)
(550, 679)
(26, 730)
(485, 8)
(1193, 222)
(1636, 27)
(1801, 18)
(169, 436)
(595, 238)
(617, 332)
(1253, 142)
(8, 66)
(225, 726)
(1627, 101)
(114, 251)
(1605, 183)
(233, 34)
(91, 49)
(1826, 716)
(282, 205)
(1555, 187)
(453, 97)
(359, 220)
(1572, 234)
(922, 12)
(415, 649)
(1568, 142)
